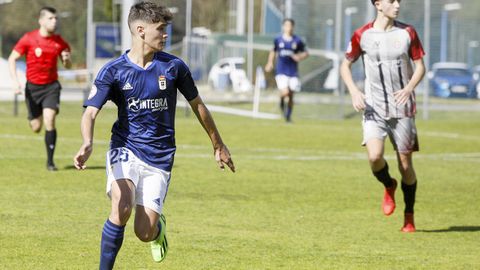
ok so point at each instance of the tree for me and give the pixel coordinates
(19, 17)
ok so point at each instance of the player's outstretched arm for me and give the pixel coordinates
(358, 98)
(300, 56)
(12, 65)
(87, 126)
(222, 155)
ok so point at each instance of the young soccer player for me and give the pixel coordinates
(288, 49)
(387, 48)
(42, 48)
(143, 83)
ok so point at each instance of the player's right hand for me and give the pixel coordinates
(358, 101)
(82, 156)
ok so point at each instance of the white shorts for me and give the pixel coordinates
(287, 82)
(401, 131)
(151, 184)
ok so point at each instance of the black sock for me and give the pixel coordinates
(409, 196)
(50, 142)
(384, 177)
(282, 104)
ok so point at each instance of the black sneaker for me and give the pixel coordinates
(52, 167)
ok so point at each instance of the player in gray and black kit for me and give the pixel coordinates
(387, 48)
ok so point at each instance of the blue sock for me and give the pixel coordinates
(288, 113)
(112, 239)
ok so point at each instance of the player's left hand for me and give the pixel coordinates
(222, 156)
(295, 57)
(65, 55)
(402, 96)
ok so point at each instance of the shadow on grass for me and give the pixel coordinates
(351, 115)
(454, 229)
(71, 167)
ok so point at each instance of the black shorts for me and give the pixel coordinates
(40, 96)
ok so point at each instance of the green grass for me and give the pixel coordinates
(302, 198)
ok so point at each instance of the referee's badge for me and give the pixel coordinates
(162, 82)
(38, 52)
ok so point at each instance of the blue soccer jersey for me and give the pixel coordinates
(146, 101)
(285, 49)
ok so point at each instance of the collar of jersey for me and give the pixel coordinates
(125, 56)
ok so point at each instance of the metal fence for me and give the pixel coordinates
(448, 31)
(453, 23)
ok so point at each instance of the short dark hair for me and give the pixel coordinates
(288, 20)
(373, 2)
(44, 10)
(149, 12)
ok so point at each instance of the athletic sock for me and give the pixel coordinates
(50, 142)
(384, 177)
(288, 113)
(282, 104)
(159, 225)
(409, 196)
(112, 239)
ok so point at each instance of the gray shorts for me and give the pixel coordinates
(401, 131)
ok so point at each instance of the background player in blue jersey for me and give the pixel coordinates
(288, 49)
(143, 84)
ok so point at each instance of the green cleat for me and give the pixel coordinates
(160, 245)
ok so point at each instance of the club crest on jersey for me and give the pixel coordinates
(397, 44)
(294, 46)
(38, 52)
(162, 82)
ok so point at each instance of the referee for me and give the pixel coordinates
(42, 47)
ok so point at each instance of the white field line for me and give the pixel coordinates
(463, 157)
(40, 137)
(459, 157)
(237, 112)
(187, 151)
(449, 135)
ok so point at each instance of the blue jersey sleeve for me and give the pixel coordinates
(301, 46)
(101, 88)
(185, 82)
(275, 45)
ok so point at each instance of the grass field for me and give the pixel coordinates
(302, 198)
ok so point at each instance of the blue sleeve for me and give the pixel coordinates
(301, 46)
(275, 45)
(101, 88)
(185, 83)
